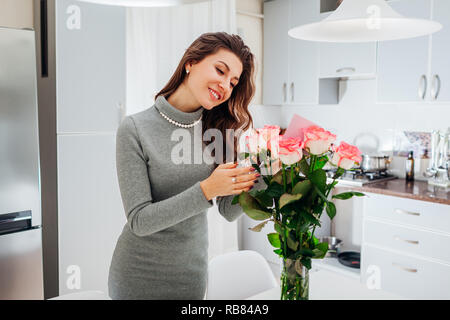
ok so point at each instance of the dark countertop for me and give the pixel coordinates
(418, 190)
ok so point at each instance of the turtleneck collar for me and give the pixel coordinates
(165, 107)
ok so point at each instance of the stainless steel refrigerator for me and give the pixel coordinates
(21, 275)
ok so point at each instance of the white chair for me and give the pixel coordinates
(83, 295)
(238, 275)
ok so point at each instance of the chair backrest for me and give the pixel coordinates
(238, 275)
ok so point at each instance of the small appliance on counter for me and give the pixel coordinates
(350, 259)
(438, 171)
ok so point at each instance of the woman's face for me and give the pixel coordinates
(212, 80)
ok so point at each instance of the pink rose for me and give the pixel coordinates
(251, 142)
(346, 155)
(290, 150)
(266, 134)
(318, 140)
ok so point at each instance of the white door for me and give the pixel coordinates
(440, 61)
(403, 64)
(90, 66)
(303, 86)
(275, 73)
(91, 215)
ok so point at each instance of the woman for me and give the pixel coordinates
(162, 252)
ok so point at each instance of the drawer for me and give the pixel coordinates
(423, 214)
(407, 240)
(404, 275)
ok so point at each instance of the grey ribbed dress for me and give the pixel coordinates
(162, 252)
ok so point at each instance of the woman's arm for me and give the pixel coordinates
(143, 215)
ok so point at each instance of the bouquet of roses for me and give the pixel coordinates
(297, 193)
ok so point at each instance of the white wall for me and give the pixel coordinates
(16, 13)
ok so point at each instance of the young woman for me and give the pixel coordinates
(162, 252)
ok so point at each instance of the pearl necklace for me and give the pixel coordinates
(180, 124)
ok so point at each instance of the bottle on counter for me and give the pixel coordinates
(409, 166)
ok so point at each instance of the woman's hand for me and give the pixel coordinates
(220, 182)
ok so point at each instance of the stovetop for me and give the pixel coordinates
(357, 177)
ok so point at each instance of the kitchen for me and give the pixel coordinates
(388, 98)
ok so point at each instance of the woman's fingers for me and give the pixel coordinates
(247, 177)
(243, 185)
(240, 171)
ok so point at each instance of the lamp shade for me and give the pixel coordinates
(142, 3)
(364, 21)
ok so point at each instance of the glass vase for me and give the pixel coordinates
(294, 280)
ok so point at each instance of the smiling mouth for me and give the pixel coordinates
(214, 94)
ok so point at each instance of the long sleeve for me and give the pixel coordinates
(145, 216)
(233, 211)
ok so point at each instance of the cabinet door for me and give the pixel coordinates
(275, 74)
(440, 61)
(303, 86)
(90, 210)
(403, 64)
(90, 66)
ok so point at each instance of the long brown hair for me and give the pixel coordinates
(233, 113)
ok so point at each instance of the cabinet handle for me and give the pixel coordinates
(284, 92)
(423, 87)
(350, 69)
(405, 240)
(406, 212)
(292, 92)
(435, 91)
(404, 268)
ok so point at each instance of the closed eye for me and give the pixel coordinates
(221, 72)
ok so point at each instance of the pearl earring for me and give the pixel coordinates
(187, 71)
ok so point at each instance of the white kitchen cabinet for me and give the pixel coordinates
(417, 69)
(403, 246)
(440, 62)
(91, 214)
(303, 62)
(276, 65)
(408, 276)
(290, 65)
(90, 66)
(346, 59)
(402, 66)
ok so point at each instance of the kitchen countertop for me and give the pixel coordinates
(418, 190)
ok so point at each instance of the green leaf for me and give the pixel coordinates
(321, 250)
(339, 173)
(278, 177)
(348, 195)
(331, 209)
(235, 199)
(320, 162)
(275, 190)
(274, 240)
(292, 244)
(304, 167)
(319, 178)
(302, 187)
(288, 198)
(259, 227)
(305, 252)
(278, 251)
(262, 197)
(252, 208)
(278, 228)
(309, 218)
(306, 262)
(244, 155)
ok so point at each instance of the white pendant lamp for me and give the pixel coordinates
(364, 21)
(143, 3)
